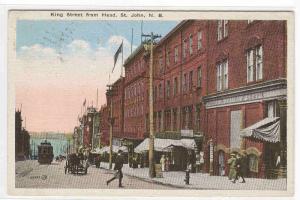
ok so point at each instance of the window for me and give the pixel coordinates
(225, 28)
(175, 86)
(168, 57)
(259, 63)
(191, 80)
(250, 65)
(160, 64)
(222, 75)
(155, 93)
(191, 44)
(184, 82)
(176, 55)
(255, 62)
(168, 89)
(160, 90)
(199, 77)
(272, 109)
(199, 40)
(222, 29)
(184, 48)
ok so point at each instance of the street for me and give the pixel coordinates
(29, 174)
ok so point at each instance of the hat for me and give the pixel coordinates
(232, 154)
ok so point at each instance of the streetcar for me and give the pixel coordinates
(45, 153)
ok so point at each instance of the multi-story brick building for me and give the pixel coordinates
(115, 101)
(90, 126)
(136, 103)
(104, 125)
(215, 81)
(246, 73)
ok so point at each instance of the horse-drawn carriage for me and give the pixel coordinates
(76, 164)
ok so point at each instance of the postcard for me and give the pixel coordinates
(150, 103)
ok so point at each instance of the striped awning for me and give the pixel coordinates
(267, 129)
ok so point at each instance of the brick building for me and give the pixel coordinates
(115, 101)
(136, 103)
(247, 84)
(90, 125)
(104, 125)
(219, 82)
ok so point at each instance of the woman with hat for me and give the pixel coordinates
(232, 166)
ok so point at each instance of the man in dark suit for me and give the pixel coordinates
(240, 167)
(118, 166)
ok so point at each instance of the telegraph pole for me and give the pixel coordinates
(111, 121)
(149, 47)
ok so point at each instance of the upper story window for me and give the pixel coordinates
(255, 64)
(155, 93)
(184, 48)
(222, 75)
(199, 76)
(176, 54)
(191, 80)
(168, 87)
(160, 64)
(199, 40)
(175, 88)
(168, 57)
(191, 44)
(160, 92)
(185, 80)
(222, 29)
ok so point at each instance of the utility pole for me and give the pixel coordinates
(149, 47)
(111, 122)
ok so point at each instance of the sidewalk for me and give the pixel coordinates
(203, 181)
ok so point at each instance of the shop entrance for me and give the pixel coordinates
(221, 163)
(272, 159)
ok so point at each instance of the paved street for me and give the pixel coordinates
(29, 174)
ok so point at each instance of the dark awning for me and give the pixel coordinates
(267, 129)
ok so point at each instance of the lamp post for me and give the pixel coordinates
(149, 47)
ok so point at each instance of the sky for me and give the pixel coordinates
(61, 63)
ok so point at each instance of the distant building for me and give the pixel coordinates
(104, 125)
(22, 139)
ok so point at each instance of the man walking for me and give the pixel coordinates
(240, 168)
(118, 166)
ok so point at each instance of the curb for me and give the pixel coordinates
(156, 182)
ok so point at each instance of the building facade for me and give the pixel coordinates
(104, 125)
(246, 72)
(219, 82)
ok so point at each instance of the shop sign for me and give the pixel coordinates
(187, 133)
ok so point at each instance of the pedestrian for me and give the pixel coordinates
(119, 161)
(240, 168)
(167, 163)
(163, 163)
(231, 162)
